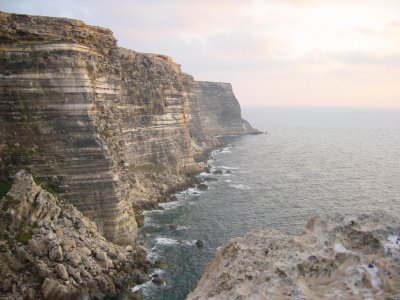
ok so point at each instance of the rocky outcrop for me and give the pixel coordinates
(110, 129)
(337, 257)
(220, 110)
(48, 249)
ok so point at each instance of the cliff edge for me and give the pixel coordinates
(337, 257)
(111, 130)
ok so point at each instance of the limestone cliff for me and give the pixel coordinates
(110, 129)
(337, 257)
(220, 110)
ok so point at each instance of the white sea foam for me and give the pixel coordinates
(146, 285)
(172, 204)
(225, 151)
(152, 256)
(205, 174)
(170, 241)
(240, 186)
(192, 191)
(228, 180)
(181, 227)
(166, 241)
(142, 287)
(226, 168)
(159, 272)
(149, 224)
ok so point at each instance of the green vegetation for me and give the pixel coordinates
(5, 186)
(76, 226)
(44, 186)
(23, 237)
(13, 151)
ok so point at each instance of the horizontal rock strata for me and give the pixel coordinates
(337, 257)
(220, 110)
(110, 129)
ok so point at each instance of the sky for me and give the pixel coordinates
(274, 52)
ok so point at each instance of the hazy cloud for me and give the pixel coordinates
(260, 46)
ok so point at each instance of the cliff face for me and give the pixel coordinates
(337, 257)
(220, 110)
(109, 128)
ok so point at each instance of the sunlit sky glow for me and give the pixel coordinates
(276, 52)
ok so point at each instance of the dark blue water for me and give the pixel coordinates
(311, 161)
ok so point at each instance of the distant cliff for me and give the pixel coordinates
(110, 129)
(220, 109)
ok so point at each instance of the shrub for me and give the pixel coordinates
(5, 186)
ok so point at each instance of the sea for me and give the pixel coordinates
(309, 161)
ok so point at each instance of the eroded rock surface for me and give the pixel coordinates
(337, 257)
(48, 249)
(102, 125)
(220, 110)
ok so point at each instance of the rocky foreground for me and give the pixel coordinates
(50, 250)
(336, 257)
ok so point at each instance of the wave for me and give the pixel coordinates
(240, 186)
(148, 284)
(181, 227)
(170, 242)
(172, 204)
(225, 168)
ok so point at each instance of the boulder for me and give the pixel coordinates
(112, 254)
(139, 277)
(22, 255)
(6, 285)
(43, 270)
(199, 243)
(67, 245)
(53, 290)
(56, 254)
(157, 280)
(173, 198)
(129, 248)
(73, 258)
(84, 251)
(202, 187)
(37, 247)
(61, 272)
(141, 252)
(121, 257)
(100, 255)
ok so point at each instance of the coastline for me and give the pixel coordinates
(110, 131)
(188, 194)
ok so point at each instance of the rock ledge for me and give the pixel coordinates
(337, 257)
